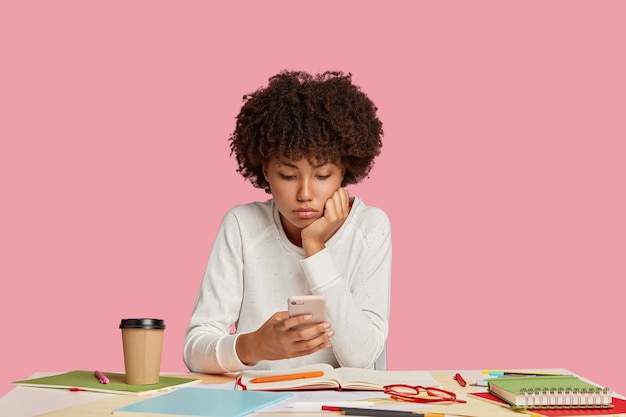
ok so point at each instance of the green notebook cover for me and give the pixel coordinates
(558, 391)
(86, 380)
(204, 402)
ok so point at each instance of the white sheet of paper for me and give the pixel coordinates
(330, 396)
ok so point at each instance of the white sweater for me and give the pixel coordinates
(253, 268)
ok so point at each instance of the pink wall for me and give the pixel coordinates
(502, 170)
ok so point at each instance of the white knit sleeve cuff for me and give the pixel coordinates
(320, 269)
(227, 354)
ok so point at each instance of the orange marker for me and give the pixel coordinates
(287, 377)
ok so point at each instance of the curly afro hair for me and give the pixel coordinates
(321, 118)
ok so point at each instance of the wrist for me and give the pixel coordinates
(311, 248)
(243, 349)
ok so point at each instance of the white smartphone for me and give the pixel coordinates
(312, 304)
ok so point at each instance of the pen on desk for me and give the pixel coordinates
(287, 377)
(372, 412)
(518, 373)
(319, 404)
(460, 379)
(101, 377)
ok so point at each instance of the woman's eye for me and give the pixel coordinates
(323, 177)
(287, 177)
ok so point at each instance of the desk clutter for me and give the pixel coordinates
(297, 388)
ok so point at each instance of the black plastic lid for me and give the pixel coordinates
(142, 324)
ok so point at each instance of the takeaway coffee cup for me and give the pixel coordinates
(143, 342)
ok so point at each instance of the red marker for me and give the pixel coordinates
(460, 380)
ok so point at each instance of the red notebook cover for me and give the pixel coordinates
(619, 407)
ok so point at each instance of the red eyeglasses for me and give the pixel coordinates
(411, 393)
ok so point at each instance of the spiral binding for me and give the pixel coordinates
(567, 398)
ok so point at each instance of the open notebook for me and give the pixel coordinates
(331, 378)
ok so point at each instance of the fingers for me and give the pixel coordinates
(308, 337)
(337, 206)
(317, 343)
(280, 340)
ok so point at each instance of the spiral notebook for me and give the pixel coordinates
(617, 410)
(539, 392)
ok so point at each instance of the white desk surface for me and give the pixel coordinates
(32, 401)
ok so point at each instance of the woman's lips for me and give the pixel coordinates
(305, 213)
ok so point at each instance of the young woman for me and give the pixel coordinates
(302, 139)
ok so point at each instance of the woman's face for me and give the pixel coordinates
(300, 190)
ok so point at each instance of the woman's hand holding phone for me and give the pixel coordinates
(300, 331)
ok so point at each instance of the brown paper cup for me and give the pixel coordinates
(142, 340)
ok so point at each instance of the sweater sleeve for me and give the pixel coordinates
(358, 303)
(209, 347)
